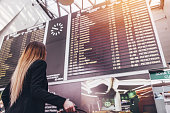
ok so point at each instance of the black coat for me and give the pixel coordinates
(34, 94)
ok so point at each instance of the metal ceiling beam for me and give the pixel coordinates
(70, 9)
(49, 13)
(45, 3)
(162, 4)
(82, 4)
(77, 5)
(58, 6)
(91, 2)
(64, 9)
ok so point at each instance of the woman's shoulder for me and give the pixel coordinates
(38, 63)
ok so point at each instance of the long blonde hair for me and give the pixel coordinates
(33, 52)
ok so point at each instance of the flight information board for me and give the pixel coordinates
(109, 38)
(112, 38)
(13, 46)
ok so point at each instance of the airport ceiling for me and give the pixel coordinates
(57, 8)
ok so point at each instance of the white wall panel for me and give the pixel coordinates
(162, 21)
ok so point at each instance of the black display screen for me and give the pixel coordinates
(13, 46)
(112, 38)
(55, 44)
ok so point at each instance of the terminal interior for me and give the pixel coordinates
(107, 56)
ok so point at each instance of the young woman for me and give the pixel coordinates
(27, 90)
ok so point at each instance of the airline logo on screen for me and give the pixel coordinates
(57, 29)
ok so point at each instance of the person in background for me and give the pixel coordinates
(27, 91)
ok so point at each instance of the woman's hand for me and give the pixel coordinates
(69, 106)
